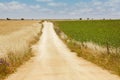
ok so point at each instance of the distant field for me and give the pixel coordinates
(13, 25)
(101, 32)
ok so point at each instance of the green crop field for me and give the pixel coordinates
(101, 32)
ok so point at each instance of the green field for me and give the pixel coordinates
(102, 32)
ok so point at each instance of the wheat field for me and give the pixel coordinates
(16, 40)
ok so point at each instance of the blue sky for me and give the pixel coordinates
(60, 9)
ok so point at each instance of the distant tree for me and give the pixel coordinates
(103, 18)
(88, 18)
(8, 19)
(22, 18)
(80, 18)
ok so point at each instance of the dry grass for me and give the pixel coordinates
(13, 25)
(16, 40)
(110, 62)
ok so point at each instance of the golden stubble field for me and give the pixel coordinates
(16, 40)
(8, 26)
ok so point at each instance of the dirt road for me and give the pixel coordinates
(54, 61)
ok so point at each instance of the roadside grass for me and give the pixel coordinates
(107, 61)
(16, 45)
(110, 62)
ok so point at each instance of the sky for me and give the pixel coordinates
(59, 9)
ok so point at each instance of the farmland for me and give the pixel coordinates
(101, 32)
(16, 40)
(7, 27)
(104, 33)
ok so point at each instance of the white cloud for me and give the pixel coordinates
(44, 0)
(56, 4)
(16, 9)
(96, 8)
(15, 5)
(97, 3)
(12, 6)
(2, 6)
(35, 6)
